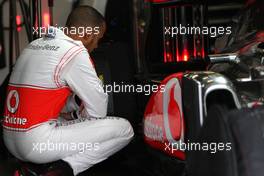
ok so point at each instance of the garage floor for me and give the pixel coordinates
(133, 160)
(137, 160)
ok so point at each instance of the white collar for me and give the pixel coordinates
(56, 33)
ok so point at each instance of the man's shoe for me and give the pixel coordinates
(58, 168)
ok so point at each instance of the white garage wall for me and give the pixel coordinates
(100, 5)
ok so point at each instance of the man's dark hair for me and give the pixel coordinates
(84, 16)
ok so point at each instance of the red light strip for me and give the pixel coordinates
(165, 57)
(46, 20)
(18, 23)
(185, 55)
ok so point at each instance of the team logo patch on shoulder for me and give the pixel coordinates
(43, 47)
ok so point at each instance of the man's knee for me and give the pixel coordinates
(122, 128)
(129, 129)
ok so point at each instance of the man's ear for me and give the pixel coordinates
(87, 41)
(89, 38)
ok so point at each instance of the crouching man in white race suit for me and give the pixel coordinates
(45, 76)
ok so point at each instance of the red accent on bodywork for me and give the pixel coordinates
(174, 116)
(154, 119)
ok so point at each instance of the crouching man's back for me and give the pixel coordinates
(48, 76)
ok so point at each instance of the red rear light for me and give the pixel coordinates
(185, 58)
(185, 55)
(165, 57)
(18, 23)
(46, 20)
(169, 57)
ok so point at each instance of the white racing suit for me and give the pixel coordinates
(48, 71)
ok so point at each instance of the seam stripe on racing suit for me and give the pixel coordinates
(62, 61)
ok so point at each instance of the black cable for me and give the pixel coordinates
(39, 16)
(33, 15)
(2, 3)
(31, 18)
(51, 5)
(2, 43)
(26, 22)
(11, 39)
(15, 32)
